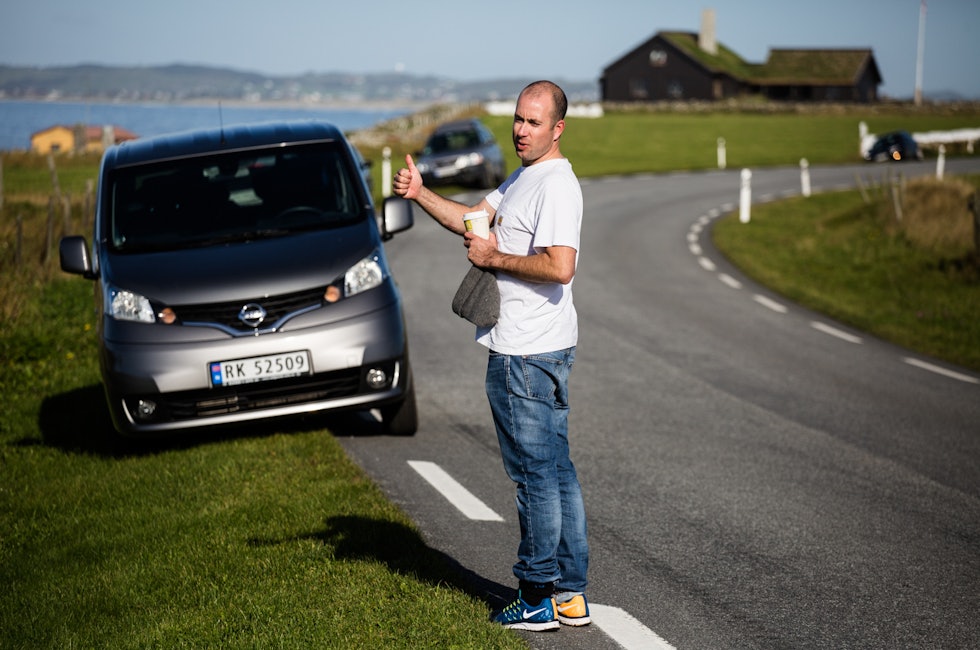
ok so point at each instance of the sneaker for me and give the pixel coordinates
(521, 616)
(574, 612)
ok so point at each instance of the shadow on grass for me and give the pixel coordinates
(78, 421)
(403, 551)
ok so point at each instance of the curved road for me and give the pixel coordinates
(756, 475)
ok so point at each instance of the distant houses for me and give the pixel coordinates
(680, 66)
(79, 138)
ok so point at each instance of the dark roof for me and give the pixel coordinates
(202, 141)
(826, 67)
(816, 67)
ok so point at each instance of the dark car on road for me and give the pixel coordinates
(463, 152)
(896, 146)
(240, 274)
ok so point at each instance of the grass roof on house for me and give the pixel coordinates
(724, 61)
(813, 67)
(785, 66)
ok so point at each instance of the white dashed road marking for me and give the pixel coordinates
(614, 622)
(626, 630)
(833, 331)
(730, 281)
(941, 371)
(455, 493)
(769, 303)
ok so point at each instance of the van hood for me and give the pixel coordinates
(241, 270)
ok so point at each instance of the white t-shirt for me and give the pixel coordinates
(536, 207)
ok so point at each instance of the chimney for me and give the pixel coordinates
(706, 39)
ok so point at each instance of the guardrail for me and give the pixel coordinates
(930, 139)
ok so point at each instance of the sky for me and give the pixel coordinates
(470, 41)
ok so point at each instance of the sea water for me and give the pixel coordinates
(20, 119)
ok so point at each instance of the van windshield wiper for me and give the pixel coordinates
(238, 237)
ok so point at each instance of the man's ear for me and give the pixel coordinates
(559, 129)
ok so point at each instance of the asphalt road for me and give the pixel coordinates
(755, 475)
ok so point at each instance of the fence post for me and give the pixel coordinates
(896, 199)
(975, 209)
(941, 162)
(18, 251)
(386, 172)
(722, 156)
(805, 176)
(49, 235)
(861, 189)
(745, 197)
(88, 215)
(54, 176)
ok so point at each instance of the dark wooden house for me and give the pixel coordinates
(688, 66)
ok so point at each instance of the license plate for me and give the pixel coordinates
(252, 369)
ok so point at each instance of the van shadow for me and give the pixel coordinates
(403, 551)
(78, 421)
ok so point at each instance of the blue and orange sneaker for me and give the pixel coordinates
(574, 611)
(521, 616)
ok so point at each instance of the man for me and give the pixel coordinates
(533, 250)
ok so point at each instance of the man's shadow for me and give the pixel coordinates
(403, 551)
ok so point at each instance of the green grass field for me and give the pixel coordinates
(271, 537)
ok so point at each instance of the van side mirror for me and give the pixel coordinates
(396, 216)
(74, 255)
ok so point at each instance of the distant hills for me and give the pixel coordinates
(186, 83)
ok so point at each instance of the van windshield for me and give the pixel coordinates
(232, 197)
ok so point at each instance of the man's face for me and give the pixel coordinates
(535, 134)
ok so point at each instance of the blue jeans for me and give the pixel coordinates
(529, 400)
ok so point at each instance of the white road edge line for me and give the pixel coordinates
(455, 493)
(941, 371)
(827, 329)
(626, 630)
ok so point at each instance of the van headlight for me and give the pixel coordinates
(127, 305)
(369, 273)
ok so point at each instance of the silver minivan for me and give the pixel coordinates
(240, 274)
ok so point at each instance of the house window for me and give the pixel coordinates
(658, 58)
(638, 89)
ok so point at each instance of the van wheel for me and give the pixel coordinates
(401, 419)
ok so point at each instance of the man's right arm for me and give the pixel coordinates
(408, 184)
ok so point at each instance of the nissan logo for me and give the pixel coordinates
(252, 314)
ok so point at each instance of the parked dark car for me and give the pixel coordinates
(240, 274)
(897, 146)
(463, 152)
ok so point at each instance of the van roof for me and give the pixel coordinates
(228, 138)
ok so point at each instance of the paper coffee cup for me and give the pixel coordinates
(477, 222)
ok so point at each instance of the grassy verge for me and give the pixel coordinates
(914, 281)
(272, 538)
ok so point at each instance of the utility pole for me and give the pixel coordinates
(922, 47)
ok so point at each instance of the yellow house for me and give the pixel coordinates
(79, 138)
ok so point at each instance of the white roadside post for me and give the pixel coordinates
(941, 162)
(805, 176)
(722, 157)
(386, 172)
(745, 198)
